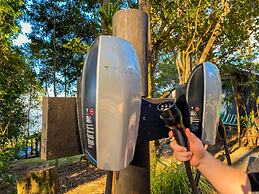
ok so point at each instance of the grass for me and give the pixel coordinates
(172, 179)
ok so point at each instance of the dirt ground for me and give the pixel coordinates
(81, 177)
(93, 187)
(75, 176)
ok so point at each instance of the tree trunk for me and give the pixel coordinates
(151, 71)
(104, 25)
(238, 105)
(183, 62)
(183, 66)
(28, 120)
(144, 5)
(54, 55)
(32, 152)
(43, 181)
(150, 80)
(216, 31)
(46, 88)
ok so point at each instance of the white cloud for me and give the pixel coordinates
(21, 39)
(26, 27)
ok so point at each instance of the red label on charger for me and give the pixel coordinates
(197, 109)
(91, 111)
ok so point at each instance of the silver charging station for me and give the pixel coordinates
(111, 102)
(111, 106)
(204, 99)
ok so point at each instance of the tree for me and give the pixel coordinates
(62, 30)
(235, 54)
(9, 12)
(13, 76)
(188, 33)
(15, 81)
(185, 31)
(192, 32)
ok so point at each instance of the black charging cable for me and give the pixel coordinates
(173, 120)
(223, 135)
(108, 187)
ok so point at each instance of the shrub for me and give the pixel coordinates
(172, 178)
(5, 157)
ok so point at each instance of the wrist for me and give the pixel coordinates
(204, 160)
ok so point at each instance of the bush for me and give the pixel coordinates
(251, 122)
(5, 157)
(172, 178)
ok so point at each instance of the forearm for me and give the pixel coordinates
(224, 178)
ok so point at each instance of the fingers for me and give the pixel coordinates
(170, 134)
(180, 152)
(177, 147)
(182, 156)
(191, 137)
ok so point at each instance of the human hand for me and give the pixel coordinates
(197, 151)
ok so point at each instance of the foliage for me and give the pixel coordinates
(251, 123)
(9, 12)
(239, 38)
(192, 32)
(5, 157)
(106, 13)
(15, 76)
(166, 75)
(173, 179)
(108, 9)
(241, 71)
(185, 31)
(61, 33)
(13, 92)
(16, 81)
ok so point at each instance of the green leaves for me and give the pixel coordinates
(16, 76)
(76, 45)
(61, 35)
(9, 12)
(5, 157)
(188, 28)
(107, 13)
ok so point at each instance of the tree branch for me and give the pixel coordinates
(225, 7)
(195, 27)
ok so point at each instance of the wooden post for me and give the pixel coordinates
(59, 136)
(43, 181)
(132, 25)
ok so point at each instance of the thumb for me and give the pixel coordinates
(191, 137)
